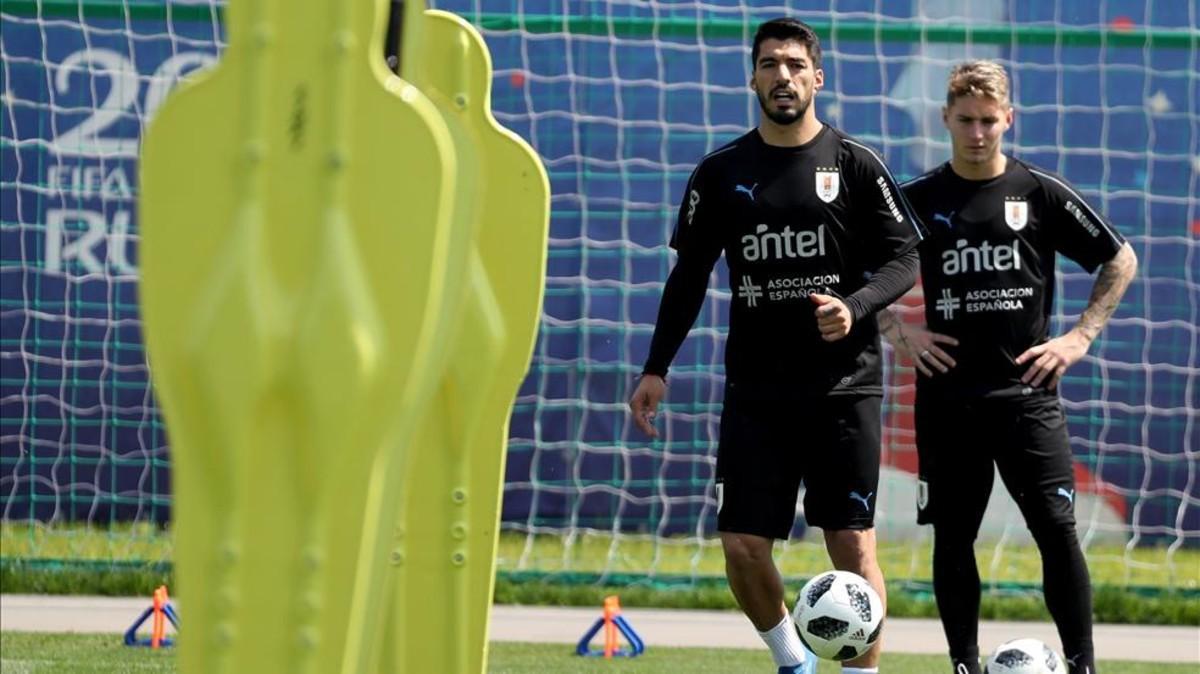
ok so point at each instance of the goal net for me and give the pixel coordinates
(620, 99)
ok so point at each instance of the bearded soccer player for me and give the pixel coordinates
(989, 371)
(817, 238)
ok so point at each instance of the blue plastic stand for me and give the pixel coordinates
(131, 633)
(636, 645)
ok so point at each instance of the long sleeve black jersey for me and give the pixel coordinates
(824, 217)
(987, 264)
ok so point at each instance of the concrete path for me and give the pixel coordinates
(657, 627)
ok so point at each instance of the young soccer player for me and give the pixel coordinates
(989, 371)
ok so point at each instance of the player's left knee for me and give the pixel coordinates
(1053, 530)
(851, 546)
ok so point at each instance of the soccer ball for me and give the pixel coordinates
(1024, 656)
(838, 615)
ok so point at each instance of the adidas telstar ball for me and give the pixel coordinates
(1024, 656)
(838, 615)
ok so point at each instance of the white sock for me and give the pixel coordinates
(785, 644)
(860, 670)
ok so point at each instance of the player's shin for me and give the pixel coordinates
(956, 588)
(1068, 591)
(854, 550)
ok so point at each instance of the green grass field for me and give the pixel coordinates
(104, 653)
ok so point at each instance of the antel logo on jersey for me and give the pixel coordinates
(693, 199)
(1016, 213)
(768, 245)
(887, 197)
(828, 183)
(1081, 218)
(984, 257)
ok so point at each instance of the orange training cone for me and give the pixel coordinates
(161, 611)
(613, 623)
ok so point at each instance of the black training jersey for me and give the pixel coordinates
(987, 264)
(792, 221)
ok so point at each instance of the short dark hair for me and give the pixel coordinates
(787, 29)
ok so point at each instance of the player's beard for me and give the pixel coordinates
(784, 117)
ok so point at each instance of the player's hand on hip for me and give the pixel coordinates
(833, 317)
(1051, 359)
(644, 403)
(923, 348)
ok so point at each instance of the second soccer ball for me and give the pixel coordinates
(1024, 656)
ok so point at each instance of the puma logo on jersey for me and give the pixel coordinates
(1068, 494)
(945, 218)
(748, 191)
(864, 499)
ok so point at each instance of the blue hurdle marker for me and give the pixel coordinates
(612, 622)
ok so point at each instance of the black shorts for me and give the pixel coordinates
(768, 446)
(960, 438)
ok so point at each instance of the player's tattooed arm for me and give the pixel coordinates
(1052, 358)
(917, 344)
(889, 326)
(1114, 277)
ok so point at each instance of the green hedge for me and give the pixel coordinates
(1112, 604)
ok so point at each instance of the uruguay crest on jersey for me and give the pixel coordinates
(828, 184)
(1016, 213)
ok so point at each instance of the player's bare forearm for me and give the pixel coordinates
(1114, 277)
(1049, 360)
